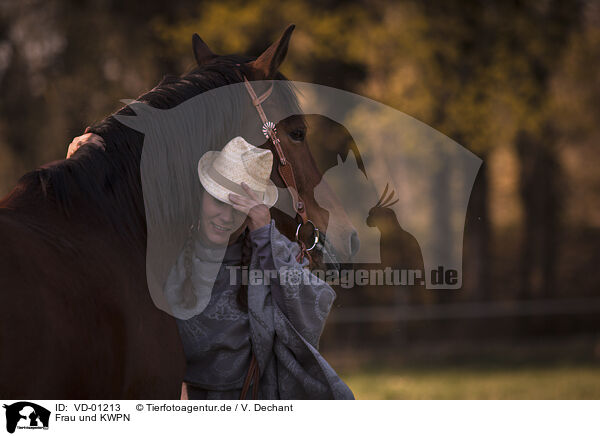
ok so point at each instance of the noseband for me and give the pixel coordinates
(285, 171)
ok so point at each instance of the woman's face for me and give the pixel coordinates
(219, 222)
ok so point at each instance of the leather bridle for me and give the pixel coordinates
(287, 175)
(285, 171)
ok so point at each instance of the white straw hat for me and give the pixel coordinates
(222, 172)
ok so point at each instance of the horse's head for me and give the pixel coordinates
(292, 134)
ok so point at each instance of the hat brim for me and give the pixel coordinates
(221, 192)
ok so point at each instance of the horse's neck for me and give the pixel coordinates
(27, 196)
(34, 206)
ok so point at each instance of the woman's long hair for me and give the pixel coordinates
(188, 296)
(242, 295)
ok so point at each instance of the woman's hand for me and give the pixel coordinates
(258, 213)
(84, 139)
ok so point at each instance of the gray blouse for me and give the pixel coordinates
(283, 325)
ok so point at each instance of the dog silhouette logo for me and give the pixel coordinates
(26, 415)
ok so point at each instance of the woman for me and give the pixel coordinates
(258, 337)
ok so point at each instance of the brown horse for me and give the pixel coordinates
(76, 317)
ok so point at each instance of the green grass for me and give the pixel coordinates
(455, 382)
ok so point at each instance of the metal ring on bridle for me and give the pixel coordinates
(315, 234)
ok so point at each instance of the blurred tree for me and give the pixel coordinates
(65, 64)
(536, 36)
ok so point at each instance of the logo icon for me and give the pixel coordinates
(26, 415)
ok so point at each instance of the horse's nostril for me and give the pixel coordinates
(354, 243)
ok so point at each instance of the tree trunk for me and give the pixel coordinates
(476, 257)
(540, 185)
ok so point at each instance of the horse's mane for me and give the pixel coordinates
(108, 180)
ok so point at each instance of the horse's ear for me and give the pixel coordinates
(201, 51)
(268, 63)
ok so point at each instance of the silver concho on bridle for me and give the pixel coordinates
(269, 127)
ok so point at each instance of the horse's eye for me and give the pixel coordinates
(298, 134)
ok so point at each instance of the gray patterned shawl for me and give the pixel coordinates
(284, 323)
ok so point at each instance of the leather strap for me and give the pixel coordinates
(287, 174)
(253, 376)
(284, 168)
